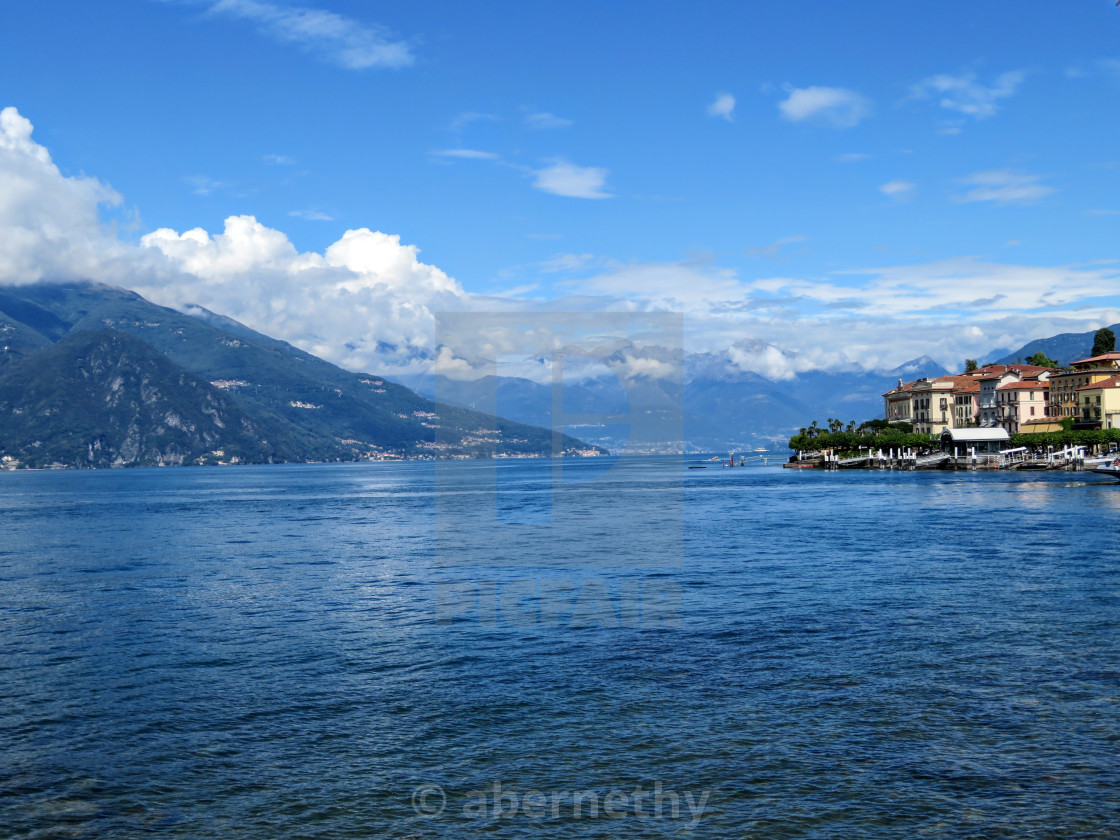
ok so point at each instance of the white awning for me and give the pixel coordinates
(976, 435)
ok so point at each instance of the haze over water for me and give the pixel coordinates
(264, 652)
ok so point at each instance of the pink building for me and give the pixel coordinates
(1021, 402)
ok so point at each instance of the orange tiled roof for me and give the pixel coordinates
(1105, 357)
(902, 388)
(1111, 382)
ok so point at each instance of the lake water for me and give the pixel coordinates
(328, 651)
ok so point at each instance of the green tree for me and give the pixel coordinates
(1103, 342)
(1042, 360)
(970, 365)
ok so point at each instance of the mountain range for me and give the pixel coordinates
(93, 376)
(724, 406)
(1063, 348)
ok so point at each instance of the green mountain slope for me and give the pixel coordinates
(1063, 348)
(102, 398)
(275, 383)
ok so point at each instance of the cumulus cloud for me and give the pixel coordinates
(332, 37)
(50, 224)
(964, 94)
(365, 302)
(836, 107)
(724, 106)
(1004, 186)
(567, 179)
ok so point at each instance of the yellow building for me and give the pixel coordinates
(1099, 404)
(1064, 400)
(899, 403)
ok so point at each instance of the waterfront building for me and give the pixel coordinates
(899, 403)
(994, 377)
(1020, 402)
(1099, 404)
(933, 405)
(1064, 399)
(932, 401)
(966, 402)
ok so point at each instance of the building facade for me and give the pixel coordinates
(898, 404)
(1098, 404)
(1021, 402)
(1064, 398)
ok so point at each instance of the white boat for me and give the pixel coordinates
(1110, 471)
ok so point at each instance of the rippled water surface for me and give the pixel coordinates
(297, 651)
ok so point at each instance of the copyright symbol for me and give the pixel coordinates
(429, 801)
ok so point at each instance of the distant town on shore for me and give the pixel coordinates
(1034, 397)
(1045, 411)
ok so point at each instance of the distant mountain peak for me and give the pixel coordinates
(918, 368)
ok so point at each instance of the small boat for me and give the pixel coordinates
(1111, 472)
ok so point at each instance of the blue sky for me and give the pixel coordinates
(857, 183)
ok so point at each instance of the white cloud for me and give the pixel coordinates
(852, 157)
(567, 179)
(686, 285)
(1004, 186)
(897, 189)
(333, 37)
(723, 106)
(836, 107)
(544, 120)
(279, 160)
(50, 225)
(312, 215)
(965, 95)
(365, 302)
(465, 154)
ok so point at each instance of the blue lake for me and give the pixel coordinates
(492, 649)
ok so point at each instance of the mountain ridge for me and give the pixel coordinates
(341, 414)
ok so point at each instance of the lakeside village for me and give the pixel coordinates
(1036, 415)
